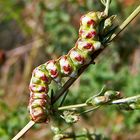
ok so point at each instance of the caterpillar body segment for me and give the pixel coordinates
(91, 19)
(88, 48)
(54, 71)
(87, 33)
(38, 106)
(78, 58)
(65, 66)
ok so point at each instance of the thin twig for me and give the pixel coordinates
(89, 110)
(118, 101)
(24, 130)
(72, 106)
(126, 22)
(107, 7)
(126, 100)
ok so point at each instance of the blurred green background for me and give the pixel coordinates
(34, 31)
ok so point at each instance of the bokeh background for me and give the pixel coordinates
(35, 31)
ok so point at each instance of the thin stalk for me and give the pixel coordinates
(103, 2)
(126, 100)
(126, 22)
(118, 101)
(89, 110)
(24, 130)
(72, 106)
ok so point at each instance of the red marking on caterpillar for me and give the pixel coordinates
(65, 66)
(38, 88)
(45, 78)
(92, 34)
(91, 22)
(87, 20)
(79, 58)
(76, 57)
(40, 75)
(54, 73)
(88, 46)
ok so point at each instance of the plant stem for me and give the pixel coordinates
(24, 130)
(72, 106)
(126, 100)
(107, 7)
(126, 22)
(118, 101)
(89, 110)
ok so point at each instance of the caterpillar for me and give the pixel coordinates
(65, 66)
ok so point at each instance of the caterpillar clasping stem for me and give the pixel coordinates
(67, 65)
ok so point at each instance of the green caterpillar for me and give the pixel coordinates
(65, 66)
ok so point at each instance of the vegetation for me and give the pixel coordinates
(33, 32)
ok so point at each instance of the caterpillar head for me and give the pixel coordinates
(92, 19)
(89, 19)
